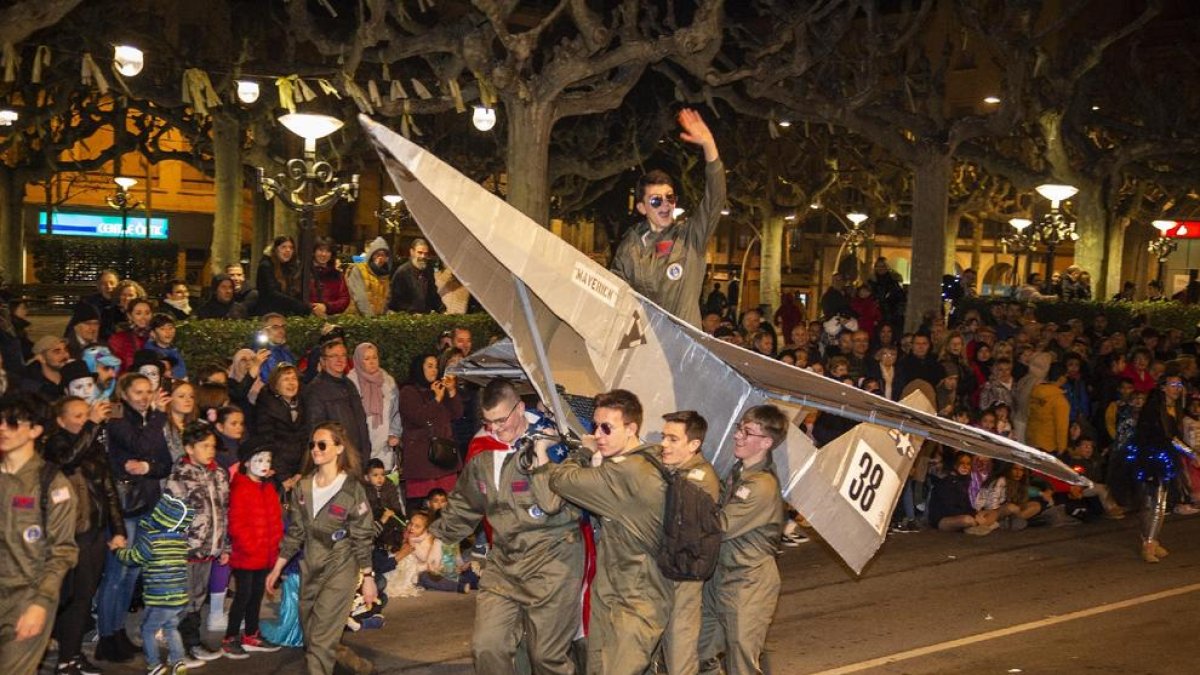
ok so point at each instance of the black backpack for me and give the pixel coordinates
(692, 531)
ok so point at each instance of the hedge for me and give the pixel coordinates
(1121, 315)
(400, 337)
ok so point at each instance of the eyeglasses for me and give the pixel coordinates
(320, 445)
(742, 430)
(497, 422)
(12, 422)
(656, 201)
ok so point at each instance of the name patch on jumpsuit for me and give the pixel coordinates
(337, 511)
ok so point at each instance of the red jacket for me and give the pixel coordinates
(123, 344)
(328, 286)
(255, 523)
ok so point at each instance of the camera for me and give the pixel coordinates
(261, 338)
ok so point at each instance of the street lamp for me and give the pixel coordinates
(124, 202)
(857, 235)
(308, 184)
(1162, 246)
(392, 217)
(484, 118)
(1019, 241)
(1054, 228)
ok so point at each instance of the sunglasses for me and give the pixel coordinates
(13, 422)
(320, 445)
(656, 201)
(605, 429)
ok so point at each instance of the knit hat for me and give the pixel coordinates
(99, 354)
(76, 370)
(83, 312)
(172, 514)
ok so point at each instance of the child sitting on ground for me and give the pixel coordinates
(439, 567)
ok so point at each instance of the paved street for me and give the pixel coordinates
(1041, 601)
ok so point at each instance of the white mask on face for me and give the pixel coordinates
(84, 388)
(151, 374)
(259, 465)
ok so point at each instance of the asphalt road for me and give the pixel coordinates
(1070, 600)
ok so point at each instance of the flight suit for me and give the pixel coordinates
(668, 267)
(631, 599)
(337, 544)
(681, 640)
(740, 598)
(533, 581)
(33, 559)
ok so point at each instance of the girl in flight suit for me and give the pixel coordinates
(331, 520)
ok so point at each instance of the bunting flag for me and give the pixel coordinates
(357, 95)
(327, 88)
(395, 88)
(199, 92)
(41, 59)
(91, 75)
(10, 61)
(487, 93)
(373, 93)
(293, 90)
(456, 94)
(422, 92)
(772, 130)
(407, 124)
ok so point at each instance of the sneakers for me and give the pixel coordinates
(231, 647)
(982, 530)
(906, 526)
(203, 653)
(189, 662)
(256, 643)
(1186, 510)
(794, 540)
(479, 551)
(77, 666)
(180, 668)
(160, 669)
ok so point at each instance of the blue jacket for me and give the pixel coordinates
(161, 548)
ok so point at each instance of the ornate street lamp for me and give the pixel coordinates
(308, 185)
(856, 235)
(1054, 228)
(124, 202)
(392, 217)
(1020, 240)
(1162, 246)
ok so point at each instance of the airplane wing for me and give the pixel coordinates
(576, 325)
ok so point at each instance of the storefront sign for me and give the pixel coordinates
(79, 224)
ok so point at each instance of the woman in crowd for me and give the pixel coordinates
(1049, 418)
(327, 288)
(127, 291)
(140, 460)
(132, 337)
(175, 302)
(328, 522)
(279, 281)
(181, 411)
(1153, 462)
(427, 406)
(245, 377)
(76, 446)
(278, 416)
(380, 402)
(950, 507)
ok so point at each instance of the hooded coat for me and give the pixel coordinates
(215, 309)
(368, 284)
(1039, 366)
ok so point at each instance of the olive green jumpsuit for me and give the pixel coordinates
(681, 641)
(35, 554)
(337, 543)
(532, 585)
(740, 598)
(631, 599)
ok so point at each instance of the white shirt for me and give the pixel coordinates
(322, 495)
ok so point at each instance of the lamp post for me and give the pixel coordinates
(1019, 241)
(124, 202)
(856, 235)
(392, 217)
(308, 184)
(1054, 228)
(1162, 246)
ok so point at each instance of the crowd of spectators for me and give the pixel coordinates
(1069, 389)
(132, 419)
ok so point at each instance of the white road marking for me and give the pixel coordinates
(1011, 630)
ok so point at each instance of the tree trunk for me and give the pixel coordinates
(950, 250)
(12, 233)
(227, 227)
(977, 250)
(529, 125)
(770, 262)
(931, 180)
(1090, 220)
(1108, 283)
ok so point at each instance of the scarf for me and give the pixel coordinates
(181, 305)
(369, 386)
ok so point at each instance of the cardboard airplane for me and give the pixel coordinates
(577, 326)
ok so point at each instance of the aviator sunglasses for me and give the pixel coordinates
(657, 200)
(320, 445)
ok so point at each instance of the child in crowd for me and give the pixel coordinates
(435, 501)
(197, 479)
(386, 507)
(160, 548)
(230, 423)
(439, 567)
(255, 530)
(950, 507)
(1003, 419)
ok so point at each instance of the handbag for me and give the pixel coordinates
(134, 500)
(443, 452)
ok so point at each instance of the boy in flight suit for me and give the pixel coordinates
(740, 598)
(534, 575)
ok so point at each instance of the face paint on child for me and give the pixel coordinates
(260, 465)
